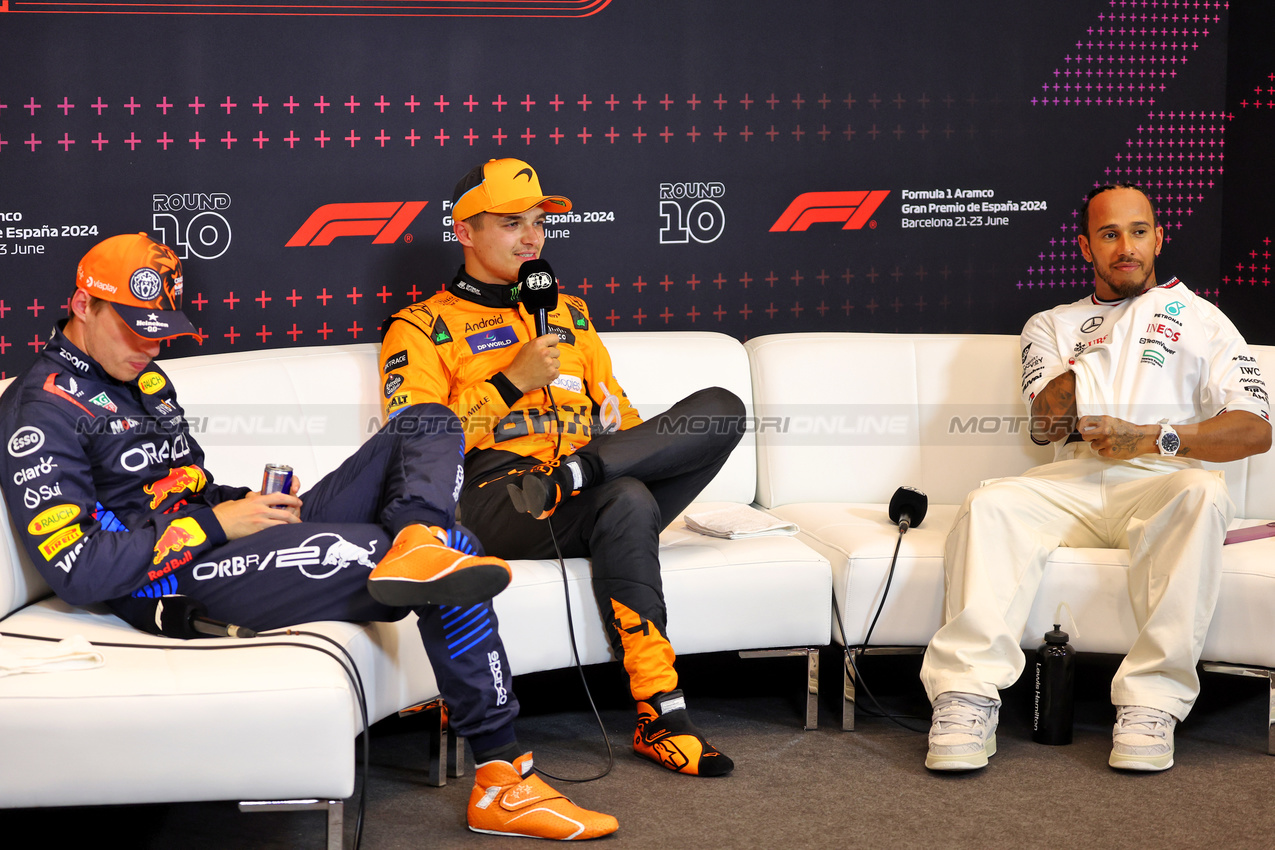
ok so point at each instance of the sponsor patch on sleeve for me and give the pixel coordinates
(53, 519)
(395, 361)
(392, 383)
(60, 541)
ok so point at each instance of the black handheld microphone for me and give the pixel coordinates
(178, 616)
(908, 507)
(538, 292)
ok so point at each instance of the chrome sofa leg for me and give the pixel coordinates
(446, 751)
(848, 678)
(334, 808)
(847, 694)
(455, 754)
(812, 676)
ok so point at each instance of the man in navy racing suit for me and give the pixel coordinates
(108, 492)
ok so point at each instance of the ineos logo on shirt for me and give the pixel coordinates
(1091, 324)
(25, 441)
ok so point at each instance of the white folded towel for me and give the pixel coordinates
(736, 521)
(73, 653)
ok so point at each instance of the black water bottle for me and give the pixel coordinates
(1053, 706)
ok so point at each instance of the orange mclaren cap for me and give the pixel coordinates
(502, 186)
(143, 281)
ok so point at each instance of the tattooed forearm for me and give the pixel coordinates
(1054, 410)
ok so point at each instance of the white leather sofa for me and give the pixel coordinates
(863, 414)
(838, 422)
(265, 720)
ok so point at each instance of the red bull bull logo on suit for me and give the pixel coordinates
(183, 479)
(181, 532)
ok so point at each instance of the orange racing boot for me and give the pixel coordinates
(422, 568)
(666, 735)
(508, 799)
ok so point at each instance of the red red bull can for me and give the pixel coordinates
(278, 478)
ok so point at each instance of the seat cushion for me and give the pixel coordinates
(175, 721)
(759, 593)
(858, 540)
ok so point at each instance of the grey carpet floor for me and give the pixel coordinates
(790, 788)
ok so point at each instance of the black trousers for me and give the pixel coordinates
(647, 476)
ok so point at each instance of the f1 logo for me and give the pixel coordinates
(853, 208)
(384, 220)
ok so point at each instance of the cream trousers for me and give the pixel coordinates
(1171, 517)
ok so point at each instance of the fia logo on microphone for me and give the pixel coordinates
(539, 280)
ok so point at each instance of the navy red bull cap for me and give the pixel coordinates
(143, 281)
(502, 186)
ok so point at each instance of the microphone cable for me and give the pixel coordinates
(575, 653)
(860, 649)
(566, 587)
(571, 630)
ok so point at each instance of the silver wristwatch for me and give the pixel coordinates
(1168, 442)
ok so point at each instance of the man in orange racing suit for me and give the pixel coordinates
(549, 431)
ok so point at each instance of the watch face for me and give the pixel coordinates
(1169, 443)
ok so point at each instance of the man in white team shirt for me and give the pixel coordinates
(1134, 385)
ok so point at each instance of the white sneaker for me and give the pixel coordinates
(1142, 738)
(963, 732)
